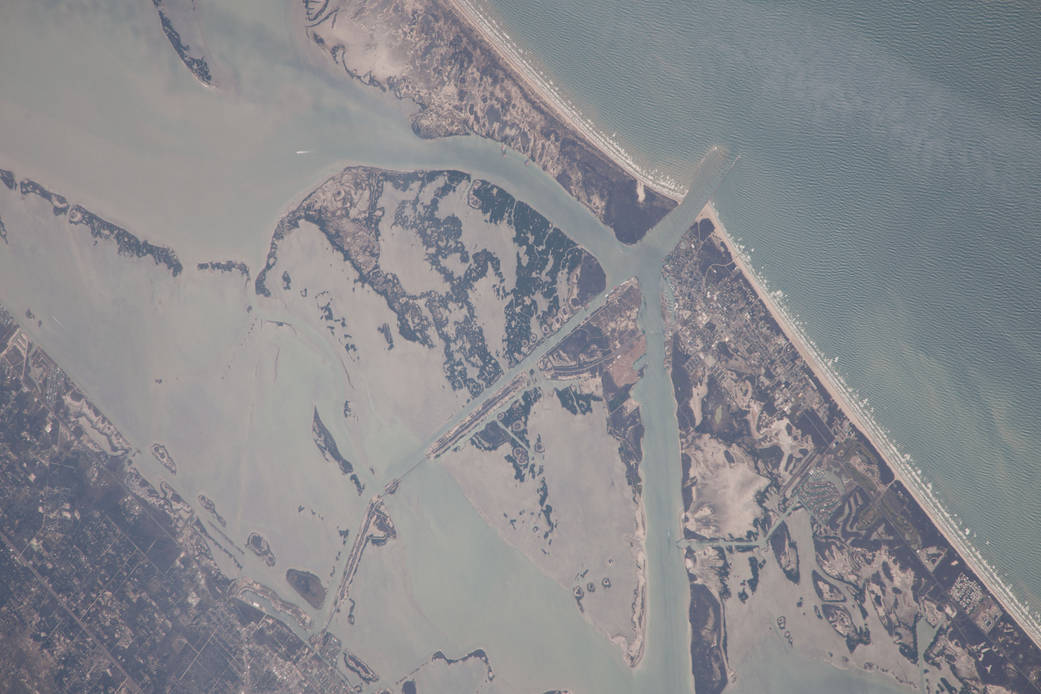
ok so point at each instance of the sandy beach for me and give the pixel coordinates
(507, 50)
(898, 463)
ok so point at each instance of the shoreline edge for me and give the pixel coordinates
(899, 463)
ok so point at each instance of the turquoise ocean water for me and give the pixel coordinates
(887, 180)
(889, 184)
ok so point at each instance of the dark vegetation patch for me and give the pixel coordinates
(196, 64)
(323, 438)
(308, 586)
(706, 642)
(576, 402)
(785, 551)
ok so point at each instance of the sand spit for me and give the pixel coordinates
(1029, 621)
(508, 51)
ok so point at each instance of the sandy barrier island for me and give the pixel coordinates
(548, 93)
(511, 54)
(899, 463)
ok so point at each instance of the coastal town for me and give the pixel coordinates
(764, 442)
(794, 524)
(460, 432)
(108, 582)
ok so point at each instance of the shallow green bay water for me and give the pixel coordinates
(887, 180)
(889, 183)
(104, 113)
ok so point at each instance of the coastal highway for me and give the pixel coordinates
(666, 666)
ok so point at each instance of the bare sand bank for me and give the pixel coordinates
(543, 88)
(508, 51)
(900, 464)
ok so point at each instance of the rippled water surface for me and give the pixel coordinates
(889, 183)
(888, 180)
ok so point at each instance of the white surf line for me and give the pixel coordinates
(901, 464)
(507, 49)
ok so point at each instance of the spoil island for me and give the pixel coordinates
(629, 438)
(779, 465)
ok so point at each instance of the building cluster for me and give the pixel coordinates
(753, 416)
(106, 583)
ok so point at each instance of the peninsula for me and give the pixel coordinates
(792, 508)
(792, 444)
(381, 415)
(464, 80)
